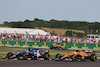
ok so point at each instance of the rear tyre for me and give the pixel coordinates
(9, 55)
(93, 58)
(25, 57)
(46, 57)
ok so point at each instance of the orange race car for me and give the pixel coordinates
(57, 46)
(77, 55)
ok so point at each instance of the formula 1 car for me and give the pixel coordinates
(78, 55)
(57, 46)
(31, 54)
(38, 55)
(20, 55)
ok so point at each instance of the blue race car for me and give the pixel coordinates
(32, 54)
(20, 55)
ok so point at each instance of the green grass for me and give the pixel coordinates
(61, 52)
(97, 55)
(7, 48)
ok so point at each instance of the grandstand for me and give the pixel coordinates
(24, 31)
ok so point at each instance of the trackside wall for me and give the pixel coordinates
(48, 44)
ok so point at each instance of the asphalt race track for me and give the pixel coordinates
(47, 63)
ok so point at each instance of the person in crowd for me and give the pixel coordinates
(45, 38)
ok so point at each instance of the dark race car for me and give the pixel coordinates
(31, 54)
(20, 55)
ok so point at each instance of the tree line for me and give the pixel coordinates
(88, 27)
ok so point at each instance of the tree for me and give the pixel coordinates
(79, 35)
(53, 33)
(78, 25)
(26, 20)
(5, 23)
(68, 33)
(36, 19)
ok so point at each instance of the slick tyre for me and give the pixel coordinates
(74, 58)
(9, 55)
(93, 58)
(25, 57)
(58, 56)
(46, 57)
(30, 56)
(18, 57)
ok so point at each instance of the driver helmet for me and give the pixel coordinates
(75, 52)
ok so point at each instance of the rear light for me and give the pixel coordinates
(39, 52)
(3, 57)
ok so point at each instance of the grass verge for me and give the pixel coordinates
(15, 49)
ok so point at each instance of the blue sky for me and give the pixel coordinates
(71, 10)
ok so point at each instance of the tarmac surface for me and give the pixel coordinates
(47, 63)
(69, 49)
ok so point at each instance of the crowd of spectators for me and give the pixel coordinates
(45, 38)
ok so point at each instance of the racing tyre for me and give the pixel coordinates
(9, 55)
(35, 58)
(18, 57)
(57, 48)
(93, 58)
(58, 56)
(46, 56)
(25, 57)
(30, 56)
(74, 58)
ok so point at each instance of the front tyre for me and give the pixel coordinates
(58, 56)
(74, 58)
